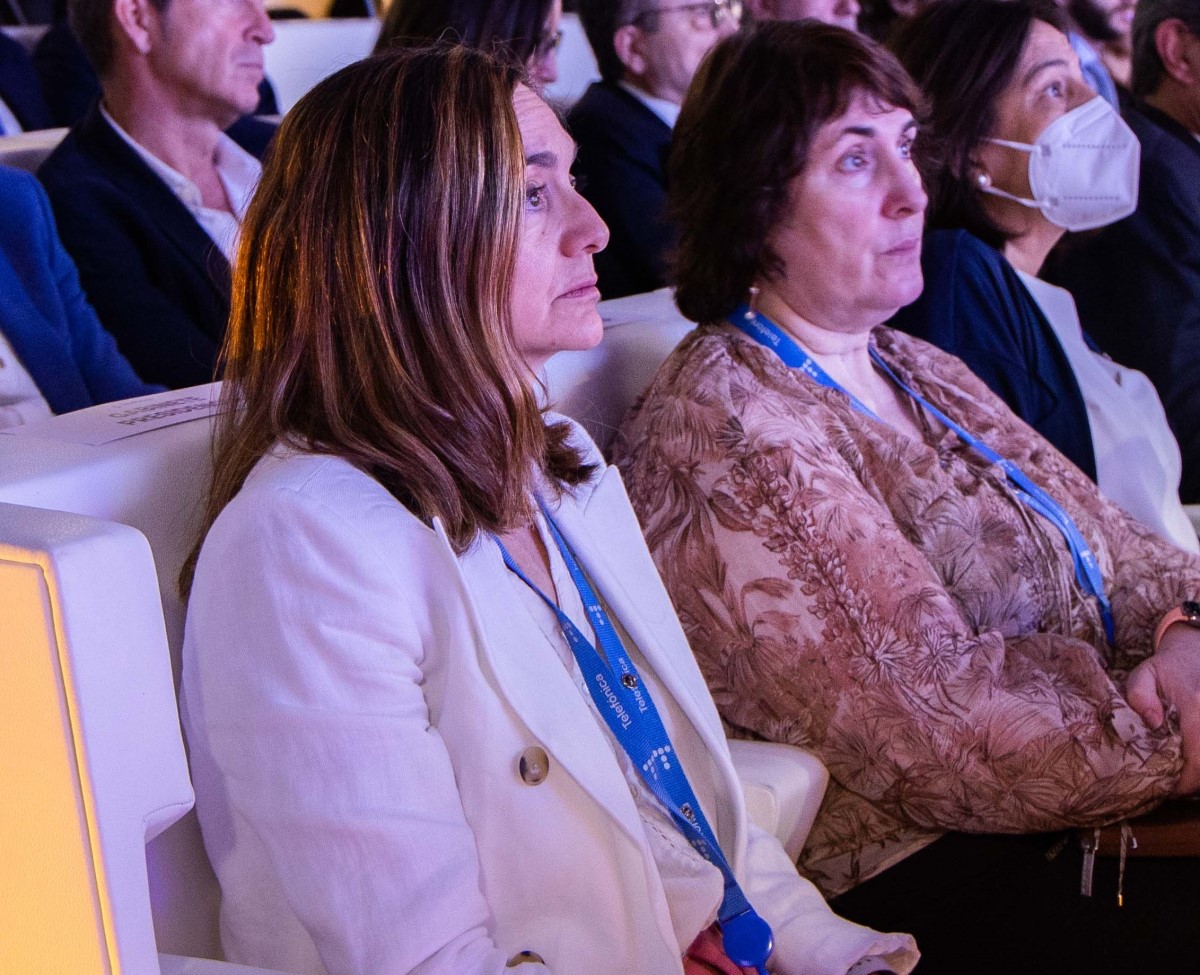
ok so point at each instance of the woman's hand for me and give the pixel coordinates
(1172, 675)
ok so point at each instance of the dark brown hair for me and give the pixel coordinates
(510, 29)
(371, 298)
(744, 133)
(963, 54)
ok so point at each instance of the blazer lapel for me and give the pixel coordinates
(539, 687)
(635, 594)
(127, 170)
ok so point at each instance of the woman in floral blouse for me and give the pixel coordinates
(858, 578)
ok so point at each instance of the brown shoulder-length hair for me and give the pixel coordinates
(963, 54)
(744, 133)
(371, 297)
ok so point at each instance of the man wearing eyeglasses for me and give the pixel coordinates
(647, 52)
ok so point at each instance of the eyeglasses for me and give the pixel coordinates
(547, 45)
(716, 12)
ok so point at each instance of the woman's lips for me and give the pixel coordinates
(584, 289)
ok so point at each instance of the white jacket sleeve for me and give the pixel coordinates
(313, 748)
(809, 938)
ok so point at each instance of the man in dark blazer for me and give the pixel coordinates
(647, 54)
(20, 89)
(148, 190)
(1137, 282)
(45, 320)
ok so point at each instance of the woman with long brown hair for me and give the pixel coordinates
(409, 754)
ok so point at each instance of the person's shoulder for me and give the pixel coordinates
(18, 188)
(85, 152)
(607, 109)
(297, 493)
(1170, 165)
(958, 251)
(599, 98)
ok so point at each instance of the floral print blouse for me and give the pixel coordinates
(891, 605)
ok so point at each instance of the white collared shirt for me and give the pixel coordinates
(238, 171)
(21, 402)
(665, 110)
(1137, 457)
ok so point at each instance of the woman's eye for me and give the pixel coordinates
(853, 162)
(906, 148)
(535, 196)
(1056, 89)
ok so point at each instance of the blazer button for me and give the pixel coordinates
(534, 765)
(525, 958)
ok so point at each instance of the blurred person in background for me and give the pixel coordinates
(874, 558)
(1020, 151)
(647, 52)
(148, 189)
(523, 31)
(1137, 281)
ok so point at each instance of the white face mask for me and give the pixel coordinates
(1083, 169)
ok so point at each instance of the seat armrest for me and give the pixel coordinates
(178, 965)
(1193, 513)
(784, 787)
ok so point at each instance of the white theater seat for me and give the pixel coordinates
(597, 387)
(91, 760)
(28, 150)
(305, 52)
(91, 755)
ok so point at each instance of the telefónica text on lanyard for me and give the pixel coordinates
(627, 708)
(1087, 571)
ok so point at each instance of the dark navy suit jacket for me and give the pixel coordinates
(156, 279)
(1137, 282)
(976, 307)
(20, 87)
(43, 312)
(622, 169)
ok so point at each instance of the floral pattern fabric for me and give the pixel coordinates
(891, 605)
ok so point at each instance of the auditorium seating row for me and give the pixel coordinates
(101, 863)
(306, 51)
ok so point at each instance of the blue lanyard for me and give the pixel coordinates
(616, 688)
(1087, 571)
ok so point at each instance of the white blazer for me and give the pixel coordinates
(357, 704)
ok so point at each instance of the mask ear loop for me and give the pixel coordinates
(985, 186)
(984, 181)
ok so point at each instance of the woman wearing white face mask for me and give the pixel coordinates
(1023, 151)
(872, 556)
